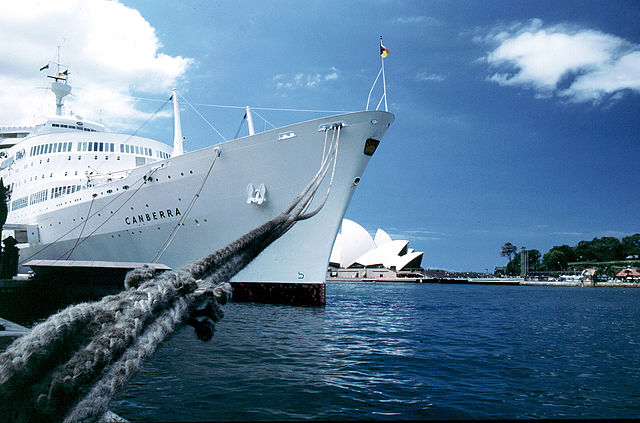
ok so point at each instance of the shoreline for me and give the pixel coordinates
(491, 281)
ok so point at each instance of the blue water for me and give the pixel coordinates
(404, 351)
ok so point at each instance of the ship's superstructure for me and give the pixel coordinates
(77, 192)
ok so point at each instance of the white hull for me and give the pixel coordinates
(133, 224)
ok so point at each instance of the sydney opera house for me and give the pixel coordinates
(356, 254)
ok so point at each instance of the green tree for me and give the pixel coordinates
(533, 257)
(508, 249)
(631, 245)
(513, 268)
(555, 259)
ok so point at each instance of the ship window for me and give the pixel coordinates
(95, 157)
(106, 157)
(111, 146)
(69, 158)
(55, 125)
(126, 148)
(101, 146)
(55, 148)
(95, 146)
(118, 158)
(137, 149)
(59, 147)
(79, 146)
(84, 146)
(90, 146)
(122, 148)
(72, 127)
(64, 126)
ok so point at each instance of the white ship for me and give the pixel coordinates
(77, 192)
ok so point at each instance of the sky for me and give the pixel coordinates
(515, 121)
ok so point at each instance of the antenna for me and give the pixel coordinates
(60, 85)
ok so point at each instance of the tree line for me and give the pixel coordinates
(605, 249)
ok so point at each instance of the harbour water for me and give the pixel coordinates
(395, 351)
(404, 351)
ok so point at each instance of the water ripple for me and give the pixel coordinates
(404, 351)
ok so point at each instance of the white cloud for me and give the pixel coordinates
(300, 80)
(425, 76)
(573, 63)
(404, 20)
(111, 50)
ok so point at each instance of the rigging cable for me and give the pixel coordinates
(93, 197)
(180, 223)
(147, 121)
(144, 178)
(81, 223)
(202, 117)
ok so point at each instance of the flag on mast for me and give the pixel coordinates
(384, 52)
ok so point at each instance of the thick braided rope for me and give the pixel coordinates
(96, 402)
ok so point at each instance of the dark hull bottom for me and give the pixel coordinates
(279, 293)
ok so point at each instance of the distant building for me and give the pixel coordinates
(630, 274)
(356, 249)
(589, 275)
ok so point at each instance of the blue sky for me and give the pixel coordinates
(515, 121)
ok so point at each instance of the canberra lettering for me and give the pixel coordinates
(148, 217)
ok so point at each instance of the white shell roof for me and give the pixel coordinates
(354, 246)
(381, 237)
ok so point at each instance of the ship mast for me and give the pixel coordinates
(60, 85)
(177, 128)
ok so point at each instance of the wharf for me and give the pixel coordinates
(452, 281)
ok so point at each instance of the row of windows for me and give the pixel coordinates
(69, 189)
(95, 146)
(109, 147)
(80, 128)
(60, 147)
(135, 149)
(43, 195)
(38, 197)
(19, 203)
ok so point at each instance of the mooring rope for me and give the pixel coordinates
(69, 367)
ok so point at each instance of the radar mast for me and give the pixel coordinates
(60, 85)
